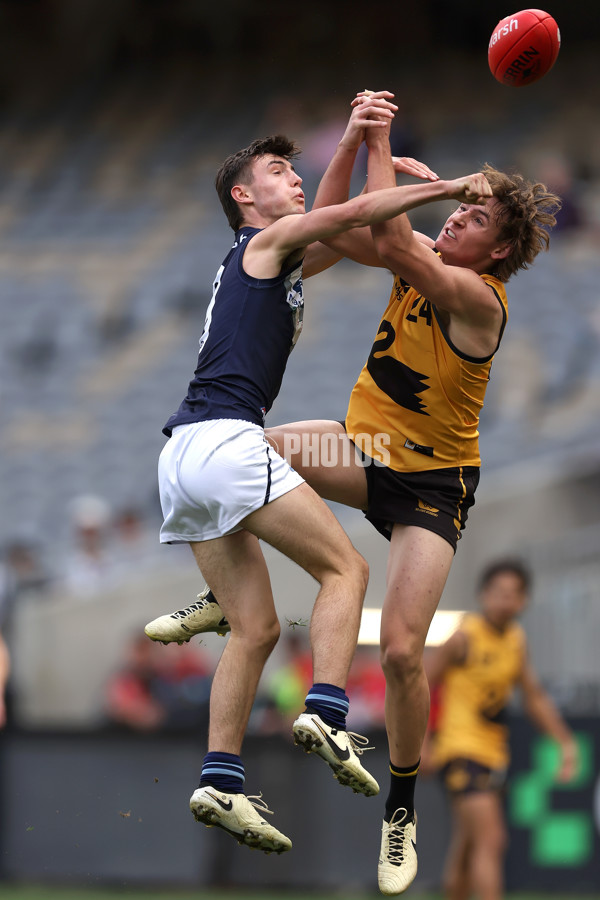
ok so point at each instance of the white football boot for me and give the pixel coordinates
(339, 749)
(205, 615)
(398, 856)
(240, 816)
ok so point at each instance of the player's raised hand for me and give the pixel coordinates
(371, 110)
(377, 98)
(408, 166)
(470, 189)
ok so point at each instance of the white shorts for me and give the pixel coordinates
(213, 474)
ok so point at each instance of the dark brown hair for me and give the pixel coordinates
(505, 566)
(238, 168)
(526, 211)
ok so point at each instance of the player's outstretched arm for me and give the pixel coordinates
(293, 233)
(439, 659)
(542, 711)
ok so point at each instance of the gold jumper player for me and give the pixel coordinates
(475, 672)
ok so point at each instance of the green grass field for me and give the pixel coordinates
(12, 892)
(40, 892)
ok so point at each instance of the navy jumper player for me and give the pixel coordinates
(223, 487)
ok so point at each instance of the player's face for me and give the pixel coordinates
(276, 188)
(503, 598)
(469, 237)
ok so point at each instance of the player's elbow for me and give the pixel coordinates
(388, 249)
(357, 213)
(385, 237)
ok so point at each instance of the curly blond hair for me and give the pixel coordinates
(525, 213)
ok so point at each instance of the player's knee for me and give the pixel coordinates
(401, 656)
(269, 637)
(498, 839)
(356, 571)
(262, 634)
(349, 567)
(361, 571)
(492, 841)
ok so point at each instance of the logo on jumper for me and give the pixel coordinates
(401, 383)
(295, 297)
(426, 508)
(418, 448)
(295, 301)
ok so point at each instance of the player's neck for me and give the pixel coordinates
(500, 627)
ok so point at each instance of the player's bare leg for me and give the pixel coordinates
(236, 566)
(418, 566)
(302, 527)
(455, 878)
(482, 821)
(307, 445)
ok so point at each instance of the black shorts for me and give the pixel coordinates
(465, 776)
(438, 500)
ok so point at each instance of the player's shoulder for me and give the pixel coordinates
(498, 287)
(243, 235)
(425, 239)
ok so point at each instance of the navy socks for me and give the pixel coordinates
(223, 771)
(330, 703)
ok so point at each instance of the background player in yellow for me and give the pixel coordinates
(475, 672)
(408, 452)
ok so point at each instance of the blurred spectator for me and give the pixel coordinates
(556, 172)
(404, 140)
(134, 545)
(319, 143)
(157, 690)
(89, 566)
(22, 572)
(23, 575)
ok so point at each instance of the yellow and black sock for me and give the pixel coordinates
(402, 791)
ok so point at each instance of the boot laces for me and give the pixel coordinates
(259, 804)
(358, 742)
(397, 837)
(194, 607)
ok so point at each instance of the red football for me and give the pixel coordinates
(523, 47)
